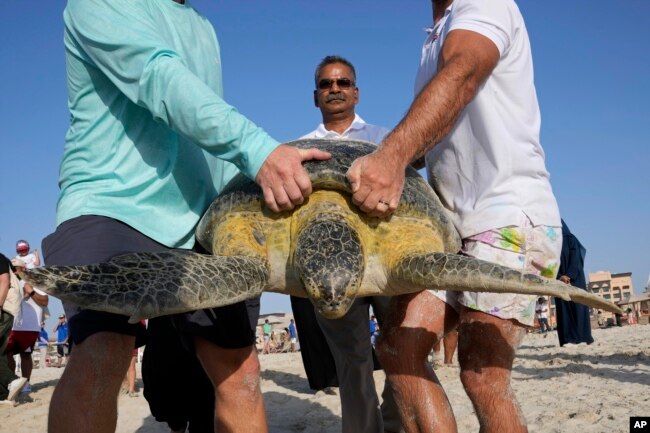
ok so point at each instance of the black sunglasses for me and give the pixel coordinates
(342, 83)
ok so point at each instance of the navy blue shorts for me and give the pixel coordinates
(92, 239)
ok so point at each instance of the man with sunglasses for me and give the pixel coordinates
(151, 143)
(336, 95)
(476, 117)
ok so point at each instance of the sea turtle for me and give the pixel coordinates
(325, 249)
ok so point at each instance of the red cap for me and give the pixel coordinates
(22, 246)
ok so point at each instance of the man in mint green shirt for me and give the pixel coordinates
(151, 143)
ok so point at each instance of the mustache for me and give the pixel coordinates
(334, 97)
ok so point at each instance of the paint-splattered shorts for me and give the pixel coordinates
(534, 249)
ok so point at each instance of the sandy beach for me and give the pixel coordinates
(578, 388)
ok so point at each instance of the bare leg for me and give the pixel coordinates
(235, 374)
(130, 376)
(85, 399)
(450, 342)
(486, 352)
(26, 365)
(43, 359)
(436, 347)
(414, 324)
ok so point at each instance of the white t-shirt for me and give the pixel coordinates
(490, 167)
(358, 130)
(541, 310)
(30, 316)
(29, 260)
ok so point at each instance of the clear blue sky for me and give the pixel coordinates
(591, 70)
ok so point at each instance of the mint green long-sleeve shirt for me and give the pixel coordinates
(151, 141)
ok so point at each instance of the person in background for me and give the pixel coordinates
(618, 319)
(267, 329)
(317, 358)
(476, 119)
(151, 143)
(374, 329)
(573, 322)
(293, 335)
(448, 347)
(336, 96)
(26, 327)
(32, 260)
(599, 319)
(62, 341)
(10, 384)
(43, 346)
(541, 312)
(128, 386)
(128, 383)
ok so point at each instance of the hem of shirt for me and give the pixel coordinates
(493, 220)
(158, 237)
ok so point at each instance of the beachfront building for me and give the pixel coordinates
(616, 288)
(612, 287)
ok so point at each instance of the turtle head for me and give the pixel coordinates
(329, 259)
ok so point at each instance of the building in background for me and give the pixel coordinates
(612, 287)
(616, 288)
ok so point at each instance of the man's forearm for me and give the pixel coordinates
(467, 60)
(429, 119)
(41, 300)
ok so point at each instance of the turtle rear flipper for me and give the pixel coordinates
(146, 285)
(455, 272)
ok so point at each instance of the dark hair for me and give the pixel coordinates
(328, 60)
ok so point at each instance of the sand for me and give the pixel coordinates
(578, 388)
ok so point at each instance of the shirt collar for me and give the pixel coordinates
(431, 28)
(357, 124)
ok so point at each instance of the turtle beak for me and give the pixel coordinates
(334, 313)
(335, 297)
(330, 261)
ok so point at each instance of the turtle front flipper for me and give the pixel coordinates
(146, 285)
(455, 272)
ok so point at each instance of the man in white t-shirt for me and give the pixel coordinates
(27, 326)
(541, 311)
(336, 96)
(476, 117)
